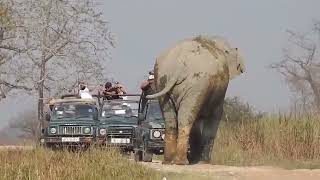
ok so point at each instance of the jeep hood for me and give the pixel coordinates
(72, 123)
(155, 125)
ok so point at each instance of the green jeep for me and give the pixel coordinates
(118, 119)
(150, 132)
(71, 123)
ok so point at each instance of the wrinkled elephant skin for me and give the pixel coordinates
(191, 79)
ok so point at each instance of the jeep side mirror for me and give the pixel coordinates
(47, 117)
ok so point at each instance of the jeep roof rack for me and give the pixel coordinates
(85, 101)
(75, 96)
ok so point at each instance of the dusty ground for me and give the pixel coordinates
(204, 171)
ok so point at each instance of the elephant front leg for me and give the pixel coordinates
(171, 131)
(210, 129)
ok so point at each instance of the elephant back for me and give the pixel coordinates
(211, 45)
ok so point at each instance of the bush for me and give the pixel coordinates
(235, 110)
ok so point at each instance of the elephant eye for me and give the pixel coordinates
(226, 51)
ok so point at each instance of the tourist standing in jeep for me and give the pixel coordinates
(147, 88)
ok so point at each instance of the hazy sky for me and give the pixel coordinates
(144, 28)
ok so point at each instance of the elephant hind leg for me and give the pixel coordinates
(210, 129)
(187, 115)
(195, 142)
(171, 130)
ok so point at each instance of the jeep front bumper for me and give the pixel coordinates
(123, 143)
(155, 145)
(70, 141)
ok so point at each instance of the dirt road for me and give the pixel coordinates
(204, 171)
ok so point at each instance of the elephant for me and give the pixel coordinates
(191, 80)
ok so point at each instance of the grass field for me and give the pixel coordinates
(289, 142)
(95, 164)
(45, 164)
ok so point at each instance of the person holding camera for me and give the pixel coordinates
(120, 89)
(147, 88)
(113, 92)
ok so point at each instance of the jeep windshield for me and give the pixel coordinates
(122, 110)
(154, 112)
(74, 112)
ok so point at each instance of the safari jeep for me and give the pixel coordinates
(118, 119)
(149, 132)
(71, 123)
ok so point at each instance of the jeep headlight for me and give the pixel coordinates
(86, 130)
(103, 131)
(156, 134)
(53, 130)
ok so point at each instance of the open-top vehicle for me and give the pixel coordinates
(150, 132)
(72, 122)
(118, 119)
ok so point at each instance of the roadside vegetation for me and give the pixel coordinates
(289, 141)
(54, 165)
(94, 164)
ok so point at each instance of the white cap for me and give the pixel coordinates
(151, 77)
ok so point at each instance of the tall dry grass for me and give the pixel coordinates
(273, 140)
(42, 164)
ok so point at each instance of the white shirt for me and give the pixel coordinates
(85, 94)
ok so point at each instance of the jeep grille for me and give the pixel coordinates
(120, 131)
(69, 130)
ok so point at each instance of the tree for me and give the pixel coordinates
(9, 49)
(235, 111)
(67, 41)
(300, 66)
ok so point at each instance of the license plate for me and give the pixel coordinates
(120, 140)
(70, 139)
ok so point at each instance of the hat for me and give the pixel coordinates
(151, 77)
(108, 85)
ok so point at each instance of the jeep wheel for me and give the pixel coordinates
(146, 155)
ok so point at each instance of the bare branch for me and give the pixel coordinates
(53, 53)
(6, 47)
(9, 85)
(299, 66)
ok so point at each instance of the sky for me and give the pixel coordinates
(144, 28)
